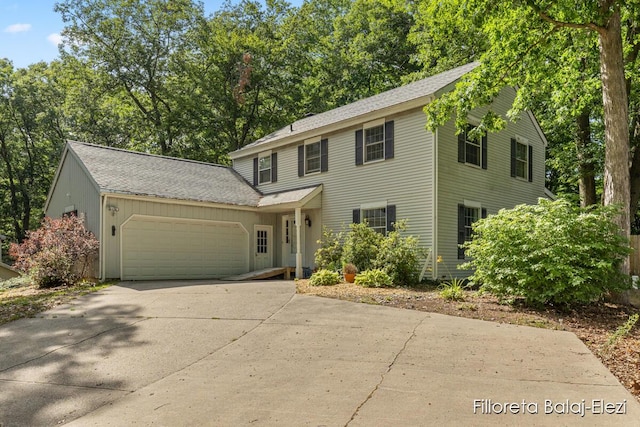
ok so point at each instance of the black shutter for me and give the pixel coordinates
(255, 171)
(461, 146)
(388, 140)
(274, 167)
(513, 157)
(530, 158)
(391, 217)
(484, 212)
(356, 216)
(359, 144)
(300, 160)
(484, 151)
(324, 155)
(460, 231)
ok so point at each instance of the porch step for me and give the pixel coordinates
(266, 273)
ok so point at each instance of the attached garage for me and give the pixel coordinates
(177, 248)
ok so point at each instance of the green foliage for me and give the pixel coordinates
(452, 290)
(58, 253)
(329, 254)
(400, 256)
(623, 330)
(324, 278)
(361, 246)
(375, 278)
(552, 252)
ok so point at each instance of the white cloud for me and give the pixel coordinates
(17, 28)
(55, 38)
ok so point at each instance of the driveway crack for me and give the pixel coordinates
(384, 374)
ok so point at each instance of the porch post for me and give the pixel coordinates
(298, 249)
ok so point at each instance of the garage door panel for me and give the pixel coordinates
(174, 248)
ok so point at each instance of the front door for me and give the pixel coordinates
(263, 247)
(289, 240)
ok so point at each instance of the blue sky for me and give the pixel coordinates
(30, 29)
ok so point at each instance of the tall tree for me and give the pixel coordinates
(135, 44)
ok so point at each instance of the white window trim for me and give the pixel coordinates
(309, 142)
(369, 125)
(524, 141)
(262, 155)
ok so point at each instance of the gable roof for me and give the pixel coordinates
(417, 92)
(128, 172)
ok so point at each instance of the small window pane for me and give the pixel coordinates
(522, 161)
(262, 243)
(471, 215)
(472, 148)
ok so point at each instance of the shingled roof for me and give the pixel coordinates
(394, 97)
(128, 172)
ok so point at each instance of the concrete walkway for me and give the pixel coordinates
(234, 354)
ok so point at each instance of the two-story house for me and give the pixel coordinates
(159, 217)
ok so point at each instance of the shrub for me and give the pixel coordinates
(324, 278)
(57, 253)
(375, 278)
(552, 252)
(452, 290)
(400, 256)
(329, 254)
(361, 246)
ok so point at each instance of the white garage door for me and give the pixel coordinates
(175, 248)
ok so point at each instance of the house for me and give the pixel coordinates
(159, 218)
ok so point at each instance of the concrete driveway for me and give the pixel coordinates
(230, 354)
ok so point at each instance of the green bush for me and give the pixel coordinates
(329, 254)
(375, 278)
(324, 278)
(400, 256)
(552, 252)
(361, 246)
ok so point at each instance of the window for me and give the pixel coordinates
(374, 142)
(262, 244)
(378, 216)
(264, 169)
(468, 213)
(312, 157)
(472, 150)
(521, 159)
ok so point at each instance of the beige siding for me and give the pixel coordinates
(493, 188)
(172, 209)
(75, 188)
(404, 181)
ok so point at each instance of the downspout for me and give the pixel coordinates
(101, 256)
(434, 253)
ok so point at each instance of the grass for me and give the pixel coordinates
(20, 299)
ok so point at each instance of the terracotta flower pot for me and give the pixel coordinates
(350, 277)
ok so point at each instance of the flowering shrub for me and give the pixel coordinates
(57, 253)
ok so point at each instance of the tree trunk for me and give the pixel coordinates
(586, 170)
(615, 102)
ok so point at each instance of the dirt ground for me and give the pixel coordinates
(594, 324)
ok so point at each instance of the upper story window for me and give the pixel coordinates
(472, 148)
(375, 141)
(265, 168)
(521, 159)
(313, 156)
